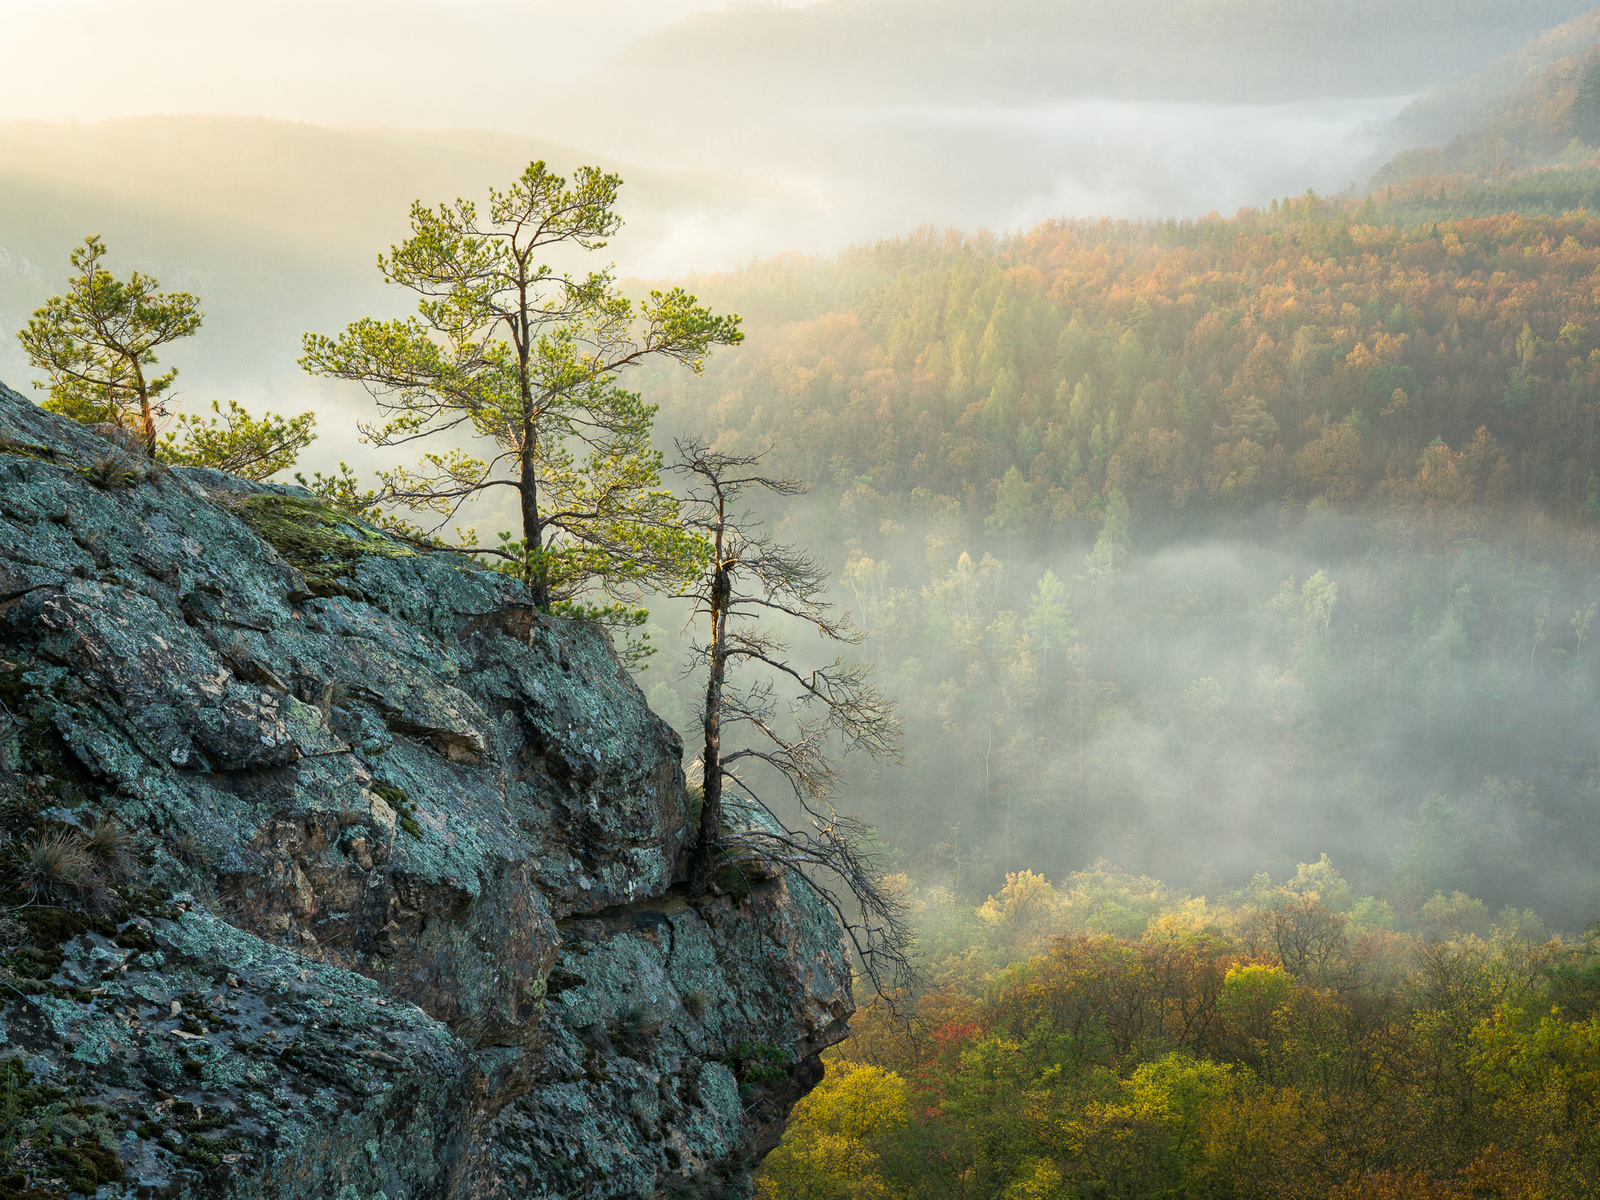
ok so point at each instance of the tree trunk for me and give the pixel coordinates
(705, 852)
(538, 578)
(532, 533)
(147, 420)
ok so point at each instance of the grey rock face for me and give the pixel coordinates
(411, 921)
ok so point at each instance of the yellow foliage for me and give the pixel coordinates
(1040, 1181)
(829, 1150)
(1155, 1138)
(1454, 916)
(1255, 987)
(1025, 904)
(1103, 900)
(1322, 880)
(857, 1101)
(1251, 997)
(1187, 916)
(1545, 1082)
(1176, 1088)
(1257, 1143)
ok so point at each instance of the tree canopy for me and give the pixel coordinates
(1308, 352)
(1109, 1036)
(236, 442)
(508, 351)
(99, 339)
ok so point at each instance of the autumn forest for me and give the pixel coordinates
(1236, 578)
(1214, 584)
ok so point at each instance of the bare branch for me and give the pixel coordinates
(750, 576)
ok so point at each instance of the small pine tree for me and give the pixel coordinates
(98, 341)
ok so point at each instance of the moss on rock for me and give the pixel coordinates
(318, 540)
(52, 1133)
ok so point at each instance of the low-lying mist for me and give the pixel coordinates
(841, 175)
(1410, 694)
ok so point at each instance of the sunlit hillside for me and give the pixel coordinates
(1310, 353)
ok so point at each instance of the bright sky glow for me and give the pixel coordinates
(416, 62)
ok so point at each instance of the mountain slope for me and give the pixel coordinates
(1537, 108)
(915, 51)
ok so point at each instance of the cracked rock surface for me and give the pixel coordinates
(410, 920)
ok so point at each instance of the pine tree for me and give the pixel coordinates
(507, 349)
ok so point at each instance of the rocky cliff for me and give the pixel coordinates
(334, 870)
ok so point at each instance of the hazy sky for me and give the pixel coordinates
(388, 62)
(792, 167)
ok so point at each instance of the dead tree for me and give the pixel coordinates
(785, 726)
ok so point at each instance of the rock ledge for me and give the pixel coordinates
(410, 918)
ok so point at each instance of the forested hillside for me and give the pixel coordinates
(1237, 581)
(1206, 547)
(1304, 353)
(1112, 1038)
(1522, 135)
(1520, 110)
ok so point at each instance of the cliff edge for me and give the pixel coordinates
(407, 918)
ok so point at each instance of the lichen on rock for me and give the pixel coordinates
(411, 917)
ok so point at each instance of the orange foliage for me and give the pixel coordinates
(1211, 364)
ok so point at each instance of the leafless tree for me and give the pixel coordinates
(787, 726)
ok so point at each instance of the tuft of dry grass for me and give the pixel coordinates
(635, 1024)
(55, 866)
(191, 851)
(113, 470)
(112, 848)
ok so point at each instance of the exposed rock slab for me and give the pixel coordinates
(414, 853)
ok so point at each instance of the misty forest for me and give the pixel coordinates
(1209, 766)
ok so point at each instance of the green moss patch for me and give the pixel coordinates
(11, 445)
(49, 1132)
(40, 956)
(321, 542)
(754, 1062)
(405, 811)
